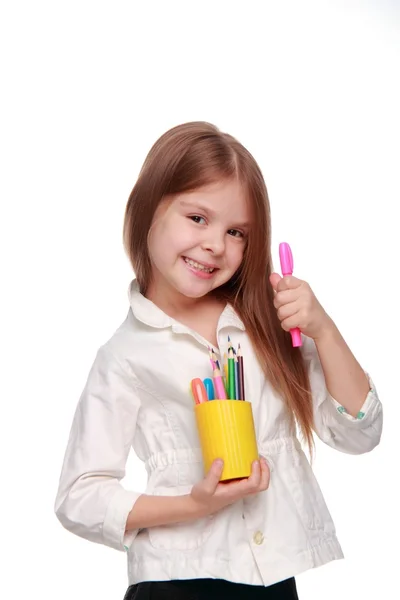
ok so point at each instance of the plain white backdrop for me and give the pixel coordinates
(312, 89)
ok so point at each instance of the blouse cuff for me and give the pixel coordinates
(114, 525)
(366, 408)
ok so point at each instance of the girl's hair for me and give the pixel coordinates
(188, 157)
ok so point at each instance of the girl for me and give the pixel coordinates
(197, 231)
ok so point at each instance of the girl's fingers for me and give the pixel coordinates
(288, 310)
(265, 474)
(255, 477)
(285, 297)
(213, 476)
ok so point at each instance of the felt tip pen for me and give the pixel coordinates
(199, 391)
(208, 384)
(286, 260)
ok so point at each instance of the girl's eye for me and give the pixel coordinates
(198, 219)
(235, 233)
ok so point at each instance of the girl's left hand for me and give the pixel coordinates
(298, 306)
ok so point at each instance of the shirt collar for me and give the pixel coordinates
(145, 310)
(148, 313)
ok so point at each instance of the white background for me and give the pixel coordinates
(311, 88)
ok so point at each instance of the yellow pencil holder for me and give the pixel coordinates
(226, 430)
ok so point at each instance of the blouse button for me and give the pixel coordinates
(258, 538)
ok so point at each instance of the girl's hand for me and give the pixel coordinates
(298, 307)
(210, 495)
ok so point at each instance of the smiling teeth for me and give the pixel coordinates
(198, 266)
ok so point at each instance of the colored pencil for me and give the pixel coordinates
(237, 388)
(214, 357)
(241, 374)
(226, 368)
(231, 374)
(219, 387)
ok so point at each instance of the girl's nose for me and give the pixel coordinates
(214, 244)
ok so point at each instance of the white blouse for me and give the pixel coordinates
(137, 396)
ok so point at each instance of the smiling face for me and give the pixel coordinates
(197, 241)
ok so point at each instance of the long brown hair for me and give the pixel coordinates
(190, 156)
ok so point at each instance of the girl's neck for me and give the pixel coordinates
(199, 314)
(183, 306)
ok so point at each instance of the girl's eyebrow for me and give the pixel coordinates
(196, 205)
(201, 207)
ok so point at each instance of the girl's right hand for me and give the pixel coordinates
(210, 495)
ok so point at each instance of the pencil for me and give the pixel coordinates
(241, 374)
(237, 386)
(231, 374)
(220, 393)
(214, 357)
(226, 368)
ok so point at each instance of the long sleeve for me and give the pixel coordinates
(331, 423)
(91, 502)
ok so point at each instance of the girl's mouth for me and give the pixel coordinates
(198, 266)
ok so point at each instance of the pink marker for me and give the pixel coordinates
(286, 258)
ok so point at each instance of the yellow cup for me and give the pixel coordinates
(226, 430)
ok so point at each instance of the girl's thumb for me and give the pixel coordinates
(213, 476)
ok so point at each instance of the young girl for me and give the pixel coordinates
(197, 231)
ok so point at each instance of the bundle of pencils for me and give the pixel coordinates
(229, 387)
(234, 373)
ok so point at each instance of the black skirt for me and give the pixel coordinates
(210, 589)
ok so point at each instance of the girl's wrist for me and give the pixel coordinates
(326, 331)
(195, 509)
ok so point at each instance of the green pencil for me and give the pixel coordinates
(231, 374)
